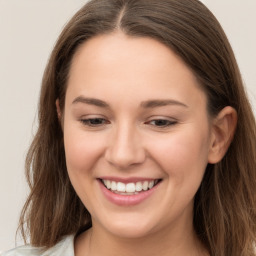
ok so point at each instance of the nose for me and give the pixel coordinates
(125, 148)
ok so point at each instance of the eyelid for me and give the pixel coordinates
(169, 121)
(87, 119)
(167, 118)
(99, 121)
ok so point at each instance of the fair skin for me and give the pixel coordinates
(134, 112)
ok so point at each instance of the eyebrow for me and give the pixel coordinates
(90, 101)
(145, 104)
(161, 103)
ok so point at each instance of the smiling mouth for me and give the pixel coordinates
(131, 188)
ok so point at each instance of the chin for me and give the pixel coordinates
(128, 228)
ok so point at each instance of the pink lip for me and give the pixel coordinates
(127, 200)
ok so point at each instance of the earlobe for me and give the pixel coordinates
(223, 130)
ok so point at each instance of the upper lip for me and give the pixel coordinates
(127, 180)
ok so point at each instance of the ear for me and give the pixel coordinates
(57, 103)
(223, 130)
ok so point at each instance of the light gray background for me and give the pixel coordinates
(28, 30)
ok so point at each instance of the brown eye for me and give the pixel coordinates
(94, 121)
(161, 122)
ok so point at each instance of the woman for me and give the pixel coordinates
(145, 143)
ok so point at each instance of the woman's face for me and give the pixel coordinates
(136, 120)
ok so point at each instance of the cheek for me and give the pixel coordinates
(183, 154)
(82, 150)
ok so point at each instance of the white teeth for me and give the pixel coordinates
(113, 185)
(151, 184)
(108, 184)
(131, 187)
(138, 186)
(145, 185)
(120, 187)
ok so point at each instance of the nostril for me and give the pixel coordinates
(124, 157)
(125, 148)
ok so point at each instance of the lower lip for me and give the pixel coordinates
(127, 200)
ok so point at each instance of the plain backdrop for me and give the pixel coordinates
(28, 31)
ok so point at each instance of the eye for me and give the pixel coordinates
(162, 123)
(94, 122)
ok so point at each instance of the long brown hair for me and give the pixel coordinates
(225, 204)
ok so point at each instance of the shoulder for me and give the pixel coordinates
(64, 248)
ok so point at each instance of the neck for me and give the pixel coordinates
(171, 242)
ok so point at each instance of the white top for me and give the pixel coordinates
(64, 248)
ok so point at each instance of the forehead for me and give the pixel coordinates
(116, 48)
(114, 63)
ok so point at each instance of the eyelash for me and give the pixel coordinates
(88, 122)
(162, 123)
